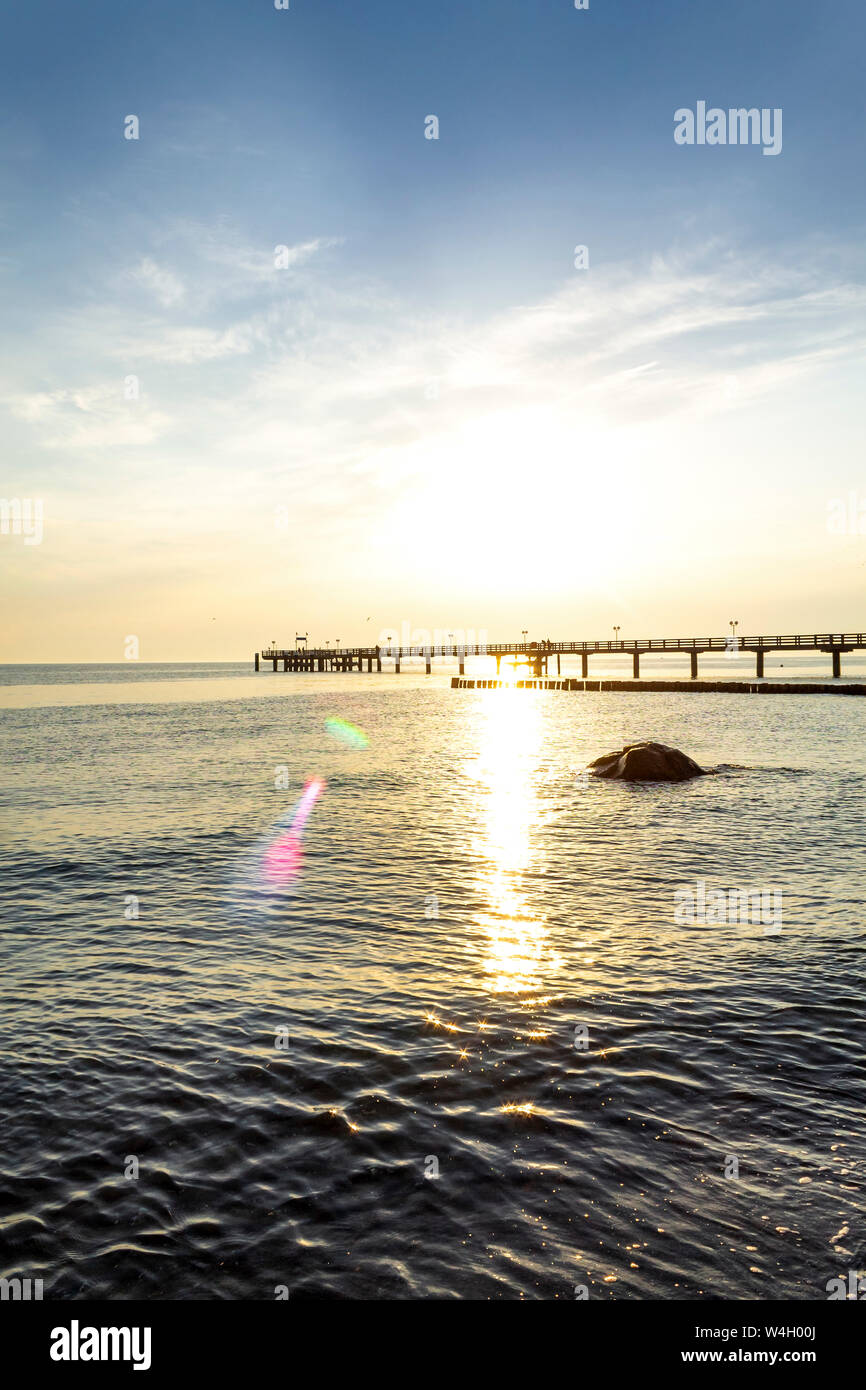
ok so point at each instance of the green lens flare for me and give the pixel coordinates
(347, 733)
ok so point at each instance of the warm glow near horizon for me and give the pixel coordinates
(247, 414)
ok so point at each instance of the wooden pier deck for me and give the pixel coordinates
(537, 656)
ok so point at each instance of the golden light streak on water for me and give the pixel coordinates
(518, 956)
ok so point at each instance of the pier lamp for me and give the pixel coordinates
(733, 625)
(524, 631)
(616, 638)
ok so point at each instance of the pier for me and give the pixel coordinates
(538, 656)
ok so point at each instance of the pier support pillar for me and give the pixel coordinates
(378, 663)
(636, 666)
(397, 666)
(462, 663)
(275, 663)
(257, 661)
(584, 664)
(498, 659)
(837, 664)
(285, 663)
(694, 666)
(321, 663)
(558, 665)
(760, 663)
(427, 664)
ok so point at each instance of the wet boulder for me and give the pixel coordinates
(647, 762)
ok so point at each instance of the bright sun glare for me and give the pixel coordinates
(518, 956)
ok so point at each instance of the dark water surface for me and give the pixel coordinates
(420, 1042)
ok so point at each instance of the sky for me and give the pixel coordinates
(427, 412)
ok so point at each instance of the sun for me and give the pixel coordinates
(519, 501)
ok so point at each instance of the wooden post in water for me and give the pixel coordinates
(694, 666)
(636, 656)
(760, 662)
(584, 664)
(257, 661)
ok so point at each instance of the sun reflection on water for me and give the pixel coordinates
(518, 956)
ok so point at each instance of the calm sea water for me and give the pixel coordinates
(367, 1084)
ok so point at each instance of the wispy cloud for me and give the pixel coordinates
(166, 287)
(331, 379)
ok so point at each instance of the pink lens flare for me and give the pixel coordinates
(283, 858)
(310, 795)
(284, 855)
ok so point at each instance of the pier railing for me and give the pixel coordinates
(800, 641)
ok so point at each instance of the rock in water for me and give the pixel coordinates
(647, 762)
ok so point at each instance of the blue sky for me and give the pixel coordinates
(431, 353)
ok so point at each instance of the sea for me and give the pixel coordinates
(358, 987)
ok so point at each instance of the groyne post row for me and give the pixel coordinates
(537, 656)
(646, 687)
